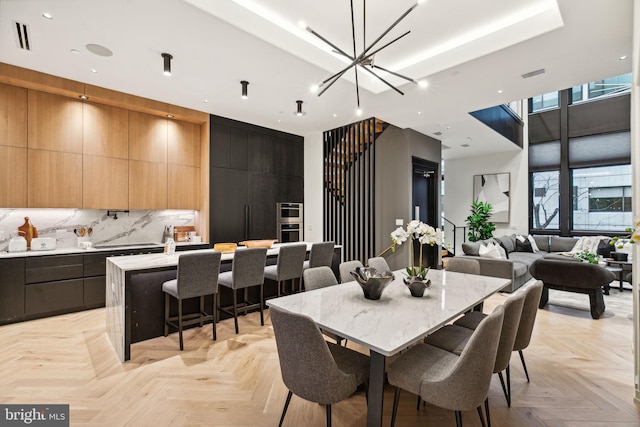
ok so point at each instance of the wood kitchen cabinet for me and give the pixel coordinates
(252, 169)
(147, 137)
(183, 143)
(105, 131)
(54, 179)
(13, 116)
(105, 183)
(13, 177)
(147, 185)
(183, 187)
(55, 122)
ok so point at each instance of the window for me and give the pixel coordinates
(544, 101)
(602, 198)
(545, 200)
(599, 88)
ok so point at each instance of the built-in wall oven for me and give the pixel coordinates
(290, 222)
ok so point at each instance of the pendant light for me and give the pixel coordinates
(244, 84)
(167, 63)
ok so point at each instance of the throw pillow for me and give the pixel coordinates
(523, 246)
(504, 252)
(471, 248)
(534, 246)
(489, 251)
(604, 248)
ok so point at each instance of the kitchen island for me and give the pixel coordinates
(134, 297)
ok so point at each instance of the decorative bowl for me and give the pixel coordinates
(417, 287)
(372, 281)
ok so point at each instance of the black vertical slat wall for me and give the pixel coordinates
(349, 183)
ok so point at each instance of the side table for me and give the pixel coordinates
(623, 266)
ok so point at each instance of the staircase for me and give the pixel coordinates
(352, 141)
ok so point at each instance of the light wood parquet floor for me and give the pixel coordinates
(581, 376)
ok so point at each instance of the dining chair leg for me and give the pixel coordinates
(458, 419)
(284, 410)
(479, 408)
(328, 411)
(201, 308)
(524, 365)
(261, 304)
(180, 323)
(394, 412)
(486, 410)
(213, 316)
(167, 303)
(506, 389)
(418, 404)
(235, 309)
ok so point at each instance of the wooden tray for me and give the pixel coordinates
(181, 232)
(225, 248)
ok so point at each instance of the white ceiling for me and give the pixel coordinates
(466, 50)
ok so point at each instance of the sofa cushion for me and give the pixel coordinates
(542, 242)
(525, 257)
(471, 248)
(520, 269)
(524, 246)
(507, 242)
(491, 251)
(562, 244)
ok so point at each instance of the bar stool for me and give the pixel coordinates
(247, 270)
(288, 266)
(197, 276)
(321, 254)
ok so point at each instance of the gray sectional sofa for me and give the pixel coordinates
(516, 267)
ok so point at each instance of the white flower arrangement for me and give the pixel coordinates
(425, 234)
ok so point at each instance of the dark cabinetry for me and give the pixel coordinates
(11, 290)
(252, 168)
(53, 284)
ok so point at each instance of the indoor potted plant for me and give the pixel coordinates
(426, 235)
(480, 228)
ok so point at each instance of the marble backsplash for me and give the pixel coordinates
(132, 227)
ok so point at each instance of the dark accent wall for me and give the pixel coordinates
(502, 120)
(252, 168)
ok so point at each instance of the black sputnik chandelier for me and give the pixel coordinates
(364, 59)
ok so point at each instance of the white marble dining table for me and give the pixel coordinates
(395, 321)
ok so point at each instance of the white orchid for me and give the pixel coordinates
(425, 234)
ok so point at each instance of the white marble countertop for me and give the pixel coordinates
(66, 251)
(147, 261)
(397, 319)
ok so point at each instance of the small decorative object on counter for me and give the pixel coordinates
(18, 243)
(28, 231)
(372, 281)
(170, 246)
(167, 234)
(417, 287)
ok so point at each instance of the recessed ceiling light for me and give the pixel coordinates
(500, 90)
(99, 50)
(335, 115)
(423, 83)
(47, 15)
(279, 120)
(76, 51)
(93, 70)
(206, 101)
(169, 116)
(623, 57)
(419, 112)
(314, 88)
(359, 112)
(83, 97)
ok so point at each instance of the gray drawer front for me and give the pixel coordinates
(54, 296)
(95, 264)
(51, 268)
(94, 291)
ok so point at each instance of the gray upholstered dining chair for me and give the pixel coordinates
(463, 265)
(527, 320)
(247, 270)
(320, 254)
(454, 337)
(442, 378)
(288, 266)
(197, 276)
(346, 268)
(379, 263)
(321, 277)
(312, 368)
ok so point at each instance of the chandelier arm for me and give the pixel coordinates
(386, 45)
(353, 30)
(357, 87)
(384, 81)
(338, 74)
(384, 33)
(394, 73)
(312, 31)
(364, 24)
(336, 77)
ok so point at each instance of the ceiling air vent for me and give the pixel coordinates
(465, 145)
(22, 36)
(533, 73)
(437, 133)
(445, 147)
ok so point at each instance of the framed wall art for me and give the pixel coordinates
(493, 188)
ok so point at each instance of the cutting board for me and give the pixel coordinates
(180, 232)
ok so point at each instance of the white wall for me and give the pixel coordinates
(458, 192)
(313, 194)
